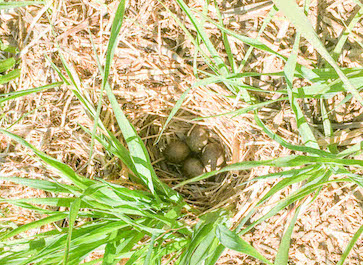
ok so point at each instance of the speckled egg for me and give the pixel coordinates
(212, 156)
(193, 167)
(176, 151)
(197, 139)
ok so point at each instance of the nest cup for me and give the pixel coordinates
(203, 194)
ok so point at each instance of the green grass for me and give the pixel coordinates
(147, 226)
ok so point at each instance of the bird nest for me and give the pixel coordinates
(206, 193)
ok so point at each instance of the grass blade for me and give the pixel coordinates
(303, 127)
(65, 170)
(350, 246)
(21, 93)
(39, 184)
(35, 224)
(345, 34)
(288, 161)
(282, 256)
(6, 64)
(9, 5)
(72, 218)
(9, 76)
(137, 149)
(297, 17)
(232, 241)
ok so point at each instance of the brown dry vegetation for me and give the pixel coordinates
(151, 69)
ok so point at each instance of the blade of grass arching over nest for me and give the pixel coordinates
(16, 4)
(73, 213)
(287, 174)
(303, 127)
(9, 76)
(288, 161)
(350, 246)
(232, 241)
(21, 93)
(297, 17)
(299, 177)
(282, 256)
(345, 33)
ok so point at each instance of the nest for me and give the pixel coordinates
(205, 193)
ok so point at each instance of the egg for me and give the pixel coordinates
(176, 152)
(193, 167)
(197, 139)
(212, 156)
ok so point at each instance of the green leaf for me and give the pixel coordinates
(350, 246)
(39, 184)
(9, 76)
(72, 218)
(13, 4)
(50, 219)
(232, 241)
(64, 169)
(21, 93)
(288, 161)
(282, 256)
(6, 64)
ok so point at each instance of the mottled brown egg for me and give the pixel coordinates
(197, 139)
(212, 156)
(176, 152)
(193, 167)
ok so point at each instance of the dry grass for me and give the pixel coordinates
(152, 67)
